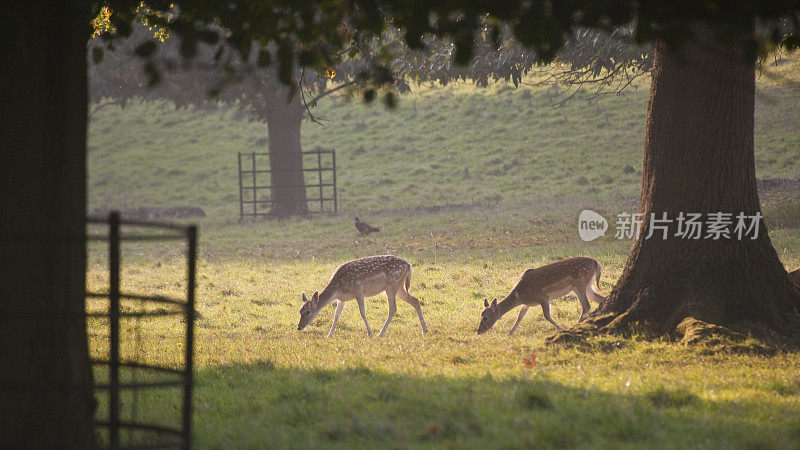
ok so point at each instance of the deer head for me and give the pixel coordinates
(309, 310)
(488, 316)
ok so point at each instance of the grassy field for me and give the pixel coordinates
(471, 186)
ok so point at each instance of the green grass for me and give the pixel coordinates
(261, 383)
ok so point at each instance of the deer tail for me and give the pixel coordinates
(596, 281)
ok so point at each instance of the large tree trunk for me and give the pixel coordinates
(45, 378)
(698, 158)
(286, 162)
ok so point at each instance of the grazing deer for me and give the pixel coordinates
(361, 278)
(578, 275)
(795, 276)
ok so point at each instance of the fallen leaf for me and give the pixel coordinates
(531, 362)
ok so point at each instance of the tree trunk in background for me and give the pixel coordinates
(286, 162)
(698, 158)
(45, 378)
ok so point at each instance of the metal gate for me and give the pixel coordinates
(255, 182)
(114, 376)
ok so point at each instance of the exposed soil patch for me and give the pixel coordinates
(772, 184)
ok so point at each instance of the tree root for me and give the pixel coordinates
(690, 332)
(580, 331)
(694, 331)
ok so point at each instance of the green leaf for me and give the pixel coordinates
(122, 25)
(97, 55)
(146, 49)
(285, 63)
(463, 51)
(390, 100)
(308, 58)
(208, 37)
(188, 45)
(264, 58)
(153, 75)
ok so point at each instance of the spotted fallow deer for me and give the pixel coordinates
(361, 278)
(578, 275)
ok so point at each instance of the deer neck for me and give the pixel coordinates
(326, 296)
(508, 303)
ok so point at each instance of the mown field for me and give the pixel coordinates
(471, 186)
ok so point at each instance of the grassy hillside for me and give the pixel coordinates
(440, 146)
(471, 186)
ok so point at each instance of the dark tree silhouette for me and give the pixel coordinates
(45, 381)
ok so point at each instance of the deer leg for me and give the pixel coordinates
(414, 302)
(522, 312)
(594, 296)
(392, 309)
(363, 311)
(339, 308)
(585, 306)
(546, 313)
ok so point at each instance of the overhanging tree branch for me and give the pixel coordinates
(331, 91)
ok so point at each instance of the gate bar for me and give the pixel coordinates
(113, 310)
(319, 177)
(191, 256)
(335, 206)
(255, 208)
(241, 205)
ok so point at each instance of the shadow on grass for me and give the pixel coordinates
(263, 406)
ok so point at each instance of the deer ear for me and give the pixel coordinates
(315, 297)
(494, 303)
(485, 303)
(303, 296)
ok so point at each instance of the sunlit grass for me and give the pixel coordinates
(260, 382)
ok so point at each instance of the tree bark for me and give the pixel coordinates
(45, 377)
(698, 158)
(284, 119)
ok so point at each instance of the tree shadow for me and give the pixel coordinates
(263, 406)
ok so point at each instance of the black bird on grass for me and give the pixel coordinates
(364, 228)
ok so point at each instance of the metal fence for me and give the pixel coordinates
(116, 431)
(255, 182)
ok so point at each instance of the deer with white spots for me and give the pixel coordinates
(578, 275)
(361, 278)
